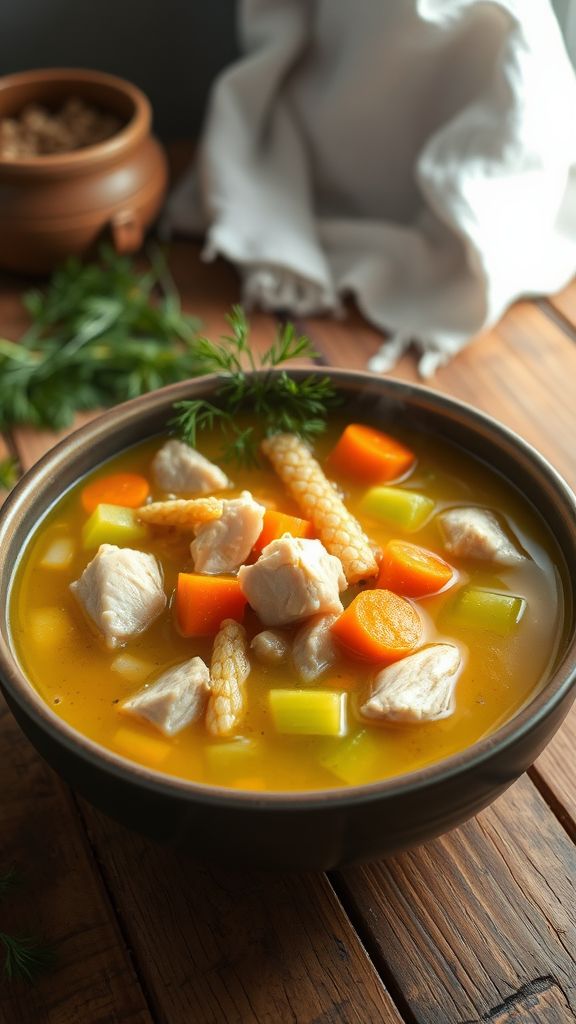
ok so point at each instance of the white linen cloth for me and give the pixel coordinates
(413, 153)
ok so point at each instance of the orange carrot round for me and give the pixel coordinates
(411, 570)
(127, 489)
(278, 523)
(368, 454)
(379, 626)
(202, 602)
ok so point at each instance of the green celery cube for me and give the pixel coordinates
(485, 609)
(236, 756)
(113, 524)
(308, 712)
(403, 509)
(356, 759)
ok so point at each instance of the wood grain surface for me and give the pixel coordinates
(476, 926)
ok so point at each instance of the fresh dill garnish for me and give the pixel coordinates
(278, 402)
(24, 957)
(101, 333)
(8, 477)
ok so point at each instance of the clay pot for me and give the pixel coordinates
(60, 205)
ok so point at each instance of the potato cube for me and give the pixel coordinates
(113, 524)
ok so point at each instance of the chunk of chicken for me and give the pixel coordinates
(292, 580)
(476, 533)
(419, 688)
(314, 650)
(121, 591)
(225, 543)
(179, 469)
(229, 670)
(174, 700)
(270, 648)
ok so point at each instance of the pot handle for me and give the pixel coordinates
(127, 231)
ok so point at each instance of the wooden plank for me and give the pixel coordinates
(521, 372)
(61, 898)
(478, 925)
(240, 947)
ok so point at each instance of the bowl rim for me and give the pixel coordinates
(137, 126)
(22, 692)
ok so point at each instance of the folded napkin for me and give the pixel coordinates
(416, 155)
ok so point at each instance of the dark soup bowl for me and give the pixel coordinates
(317, 828)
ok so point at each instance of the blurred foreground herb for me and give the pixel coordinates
(8, 477)
(278, 402)
(24, 957)
(101, 333)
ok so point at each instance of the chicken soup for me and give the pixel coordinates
(332, 616)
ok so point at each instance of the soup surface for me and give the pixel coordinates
(85, 683)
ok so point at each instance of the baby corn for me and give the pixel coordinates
(340, 533)
(181, 512)
(229, 670)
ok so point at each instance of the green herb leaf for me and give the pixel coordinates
(8, 477)
(101, 333)
(279, 402)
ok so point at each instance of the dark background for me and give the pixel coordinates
(172, 49)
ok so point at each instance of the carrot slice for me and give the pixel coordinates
(202, 602)
(127, 489)
(379, 626)
(368, 454)
(278, 523)
(411, 570)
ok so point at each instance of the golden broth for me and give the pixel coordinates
(70, 667)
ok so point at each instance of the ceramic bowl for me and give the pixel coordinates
(319, 829)
(61, 205)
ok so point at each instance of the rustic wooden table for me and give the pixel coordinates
(476, 926)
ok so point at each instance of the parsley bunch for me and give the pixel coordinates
(101, 333)
(8, 477)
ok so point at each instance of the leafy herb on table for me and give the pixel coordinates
(24, 957)
(101, 333)
(280, 403)
(8, 477)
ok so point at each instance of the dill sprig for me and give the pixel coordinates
(279, 403)
(101, 333)
(24, 957)
(8, 477)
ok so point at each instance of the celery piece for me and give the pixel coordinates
(403, 509)
(357, 759)
(308, 712)
(485, 609)
(234, 756)
(58, 554)
(112, 524)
